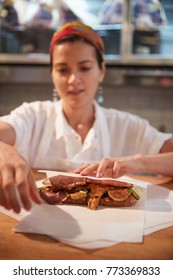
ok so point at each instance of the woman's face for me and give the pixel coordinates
(75, 72)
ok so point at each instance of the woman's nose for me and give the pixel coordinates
(73, 78)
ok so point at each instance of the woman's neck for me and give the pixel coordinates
(81, 120)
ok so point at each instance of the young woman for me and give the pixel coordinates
(73, 131)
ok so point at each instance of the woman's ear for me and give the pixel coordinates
(103, 71)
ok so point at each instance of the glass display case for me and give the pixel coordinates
(134, 31)
(150, 32)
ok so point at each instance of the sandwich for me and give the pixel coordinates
(63, 189)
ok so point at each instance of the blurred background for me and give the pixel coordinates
(138, 37)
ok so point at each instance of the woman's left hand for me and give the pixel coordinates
(111, 167)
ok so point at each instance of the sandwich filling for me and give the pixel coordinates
(78, 190)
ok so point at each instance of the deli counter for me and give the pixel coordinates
(138, 38)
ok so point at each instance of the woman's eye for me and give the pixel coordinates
(61, 70)
(84, 69)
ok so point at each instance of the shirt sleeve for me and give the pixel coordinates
(22, 120)
(28, 122)
(131, 134)
(148, 139)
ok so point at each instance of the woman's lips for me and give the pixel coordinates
(75, 92)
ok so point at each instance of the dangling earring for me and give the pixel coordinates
(55, 95)
(100, 97)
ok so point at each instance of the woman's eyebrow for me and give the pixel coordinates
(80, 62)
(86, 61)
(60, 64)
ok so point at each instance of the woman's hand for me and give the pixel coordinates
(116, 167)
(16, 180)
(111, 167)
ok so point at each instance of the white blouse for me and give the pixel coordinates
(47, 141)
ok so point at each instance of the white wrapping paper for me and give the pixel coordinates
(84, 228)
(80, 227)
(159, 208)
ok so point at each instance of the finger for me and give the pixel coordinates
(33, 189)
(117, 170)
(8, 186)
(3, 199)
(80, 169)
(23, 186)
(91, 169)
(103, 165)
(27, 188)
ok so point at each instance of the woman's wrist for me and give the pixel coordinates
(147, 163)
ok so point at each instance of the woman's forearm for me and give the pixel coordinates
(159, 164)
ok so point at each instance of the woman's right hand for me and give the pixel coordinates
(16, 180)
